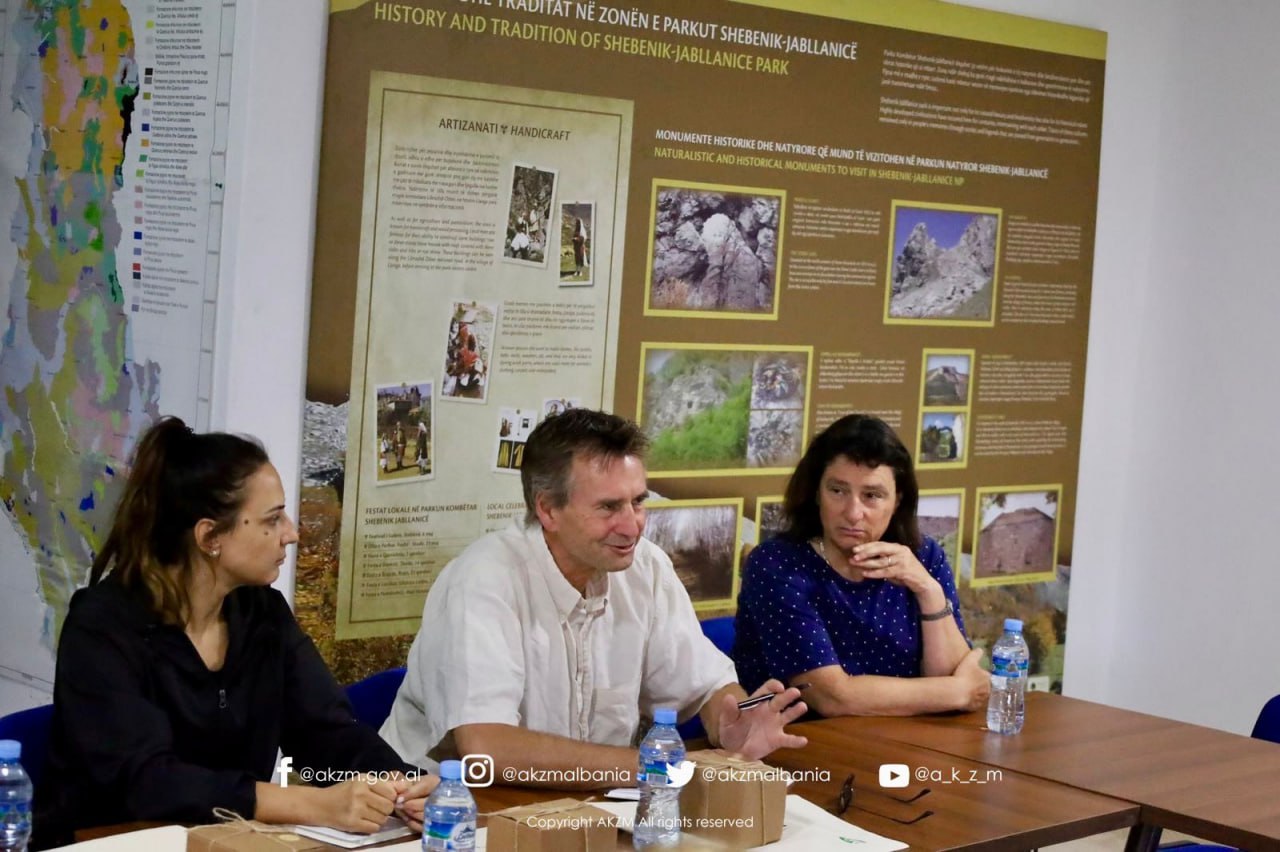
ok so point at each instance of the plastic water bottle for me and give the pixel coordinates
(15, 799)
(658, 814)
(1006, 710)
(450, 819)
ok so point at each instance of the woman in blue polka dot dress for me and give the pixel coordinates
(850, 597)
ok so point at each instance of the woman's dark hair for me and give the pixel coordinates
(176, 479)
(866, 441)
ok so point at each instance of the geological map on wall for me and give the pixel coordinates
(111, 163)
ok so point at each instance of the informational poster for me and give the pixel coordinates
(466, 329)
(112, 159)
(820, 208)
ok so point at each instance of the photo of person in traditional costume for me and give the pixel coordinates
(385, 451)
(404, 422)
(401, 444)
(579, 246)
(470, 341)
(529, 208)
(422, 449)
(576, 222)
(520, 242)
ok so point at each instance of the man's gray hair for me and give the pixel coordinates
(558, 440)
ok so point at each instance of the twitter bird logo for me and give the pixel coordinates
(679, 774)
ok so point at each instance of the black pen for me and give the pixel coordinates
(760, 699)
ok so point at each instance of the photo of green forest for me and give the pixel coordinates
(723, 408)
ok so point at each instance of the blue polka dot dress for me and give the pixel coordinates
(795, 613)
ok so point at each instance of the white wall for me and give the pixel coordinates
(1174, 591)
(1173, 587)
(1201, 587)
(268, 231)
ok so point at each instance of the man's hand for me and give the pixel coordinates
(972, 681)
(756, 732)
(357, 805)
(411, 799)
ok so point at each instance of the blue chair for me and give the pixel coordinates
(31, 728)
(371, 698)
(720, 632)
(1268, 725)
(1266, 728)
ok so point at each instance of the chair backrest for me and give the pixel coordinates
(371, 698)
(720, 632)
(31, 728)
(1268, 725)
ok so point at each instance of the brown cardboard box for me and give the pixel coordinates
(734, 801)
(249, 836)
(561, 825)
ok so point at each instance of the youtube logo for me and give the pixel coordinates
(895, 775)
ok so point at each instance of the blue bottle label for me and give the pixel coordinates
(1008, 667)
(19, 808)
(456, 835)
(655, 773)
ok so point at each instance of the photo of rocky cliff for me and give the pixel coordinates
(702, 543)
(722, 408)
(714, 251)
(944, 264)
(946, 379)
(938, 517)
(1017, 535)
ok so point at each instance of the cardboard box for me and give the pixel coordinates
(559, 825)
(249, 836)
(737, 802)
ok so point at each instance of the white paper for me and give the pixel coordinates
(623, 813)
(809, 827)
(169, 838)
(625, 794)
(391, 829)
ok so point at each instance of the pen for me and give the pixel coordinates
(760, 699)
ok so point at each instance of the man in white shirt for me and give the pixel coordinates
(543, 645)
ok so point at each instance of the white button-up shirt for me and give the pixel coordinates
(506, 639)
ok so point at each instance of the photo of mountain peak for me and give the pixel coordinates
(944, 264)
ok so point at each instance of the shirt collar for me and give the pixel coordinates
(563, 594)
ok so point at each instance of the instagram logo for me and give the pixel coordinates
(477, 770)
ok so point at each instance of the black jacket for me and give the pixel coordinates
(142, 730)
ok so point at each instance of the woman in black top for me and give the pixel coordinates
(181, 671)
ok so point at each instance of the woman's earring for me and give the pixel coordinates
(215, 553)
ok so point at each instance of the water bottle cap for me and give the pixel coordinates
(1013, 625)
(10, 749)
(451, 770)
(664, 716)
